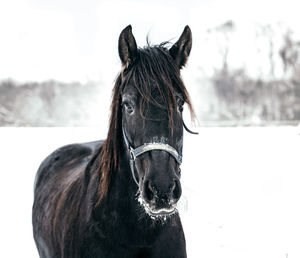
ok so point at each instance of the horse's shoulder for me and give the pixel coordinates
(70, 155)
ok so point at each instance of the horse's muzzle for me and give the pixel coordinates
(161, 201)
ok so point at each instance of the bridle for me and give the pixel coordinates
(146, 147)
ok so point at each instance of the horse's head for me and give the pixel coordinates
(152, 96)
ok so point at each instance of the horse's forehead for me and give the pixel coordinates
(131, 90)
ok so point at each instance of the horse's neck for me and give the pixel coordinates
(124, 189)
(121, 203)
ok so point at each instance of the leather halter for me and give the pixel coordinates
(134, 153)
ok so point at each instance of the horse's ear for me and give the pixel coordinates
(127, 46)
(181, 49)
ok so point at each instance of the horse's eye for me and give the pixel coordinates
(128, 107)
(179, 172)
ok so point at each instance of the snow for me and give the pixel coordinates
(240, 198)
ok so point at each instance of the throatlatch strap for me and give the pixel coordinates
(132, 170)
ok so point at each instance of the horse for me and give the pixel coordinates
(116, 198)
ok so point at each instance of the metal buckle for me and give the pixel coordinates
(131, 151)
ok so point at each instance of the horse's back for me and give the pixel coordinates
(71, 155)
(59, 182)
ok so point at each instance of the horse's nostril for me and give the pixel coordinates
(172, 187)
(152, 188)
(149, 191)
(176, 190)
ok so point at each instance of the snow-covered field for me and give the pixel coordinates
(241, 189)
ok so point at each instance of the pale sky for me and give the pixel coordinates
(71, 40)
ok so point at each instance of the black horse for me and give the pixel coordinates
(117, 197)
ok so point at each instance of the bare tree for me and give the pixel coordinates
(225, 29)
(268, 32)
(289, 54)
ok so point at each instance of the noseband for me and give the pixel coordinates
(134, 153)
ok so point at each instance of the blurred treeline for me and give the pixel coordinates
(49, 103)
(244, 100)
(232, 96)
